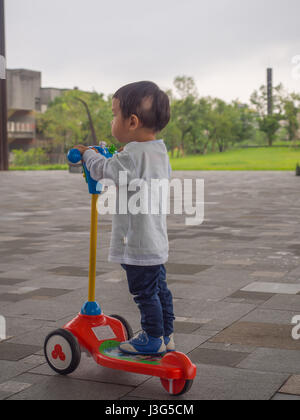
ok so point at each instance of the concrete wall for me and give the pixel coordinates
(25, 96)
(48, 95)
(24, 90)
(22, 124)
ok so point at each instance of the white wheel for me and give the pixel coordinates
(62, 352)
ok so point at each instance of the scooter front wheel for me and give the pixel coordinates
(62, 352)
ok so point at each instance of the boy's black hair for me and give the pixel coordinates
(145, 100)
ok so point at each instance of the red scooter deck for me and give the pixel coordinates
(106, 352)
(110, 356)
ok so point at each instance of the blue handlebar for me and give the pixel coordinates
(74, 156)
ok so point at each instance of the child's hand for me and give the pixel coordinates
(81, 148)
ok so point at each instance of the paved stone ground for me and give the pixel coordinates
(235, 281)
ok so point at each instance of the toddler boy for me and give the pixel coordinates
(139, 242)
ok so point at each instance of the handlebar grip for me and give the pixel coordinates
(74, 156)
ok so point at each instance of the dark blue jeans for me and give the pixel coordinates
(154, 299)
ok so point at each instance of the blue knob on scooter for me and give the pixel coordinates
(74, 156)
(91, 309)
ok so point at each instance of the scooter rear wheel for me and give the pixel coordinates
(125, 324)
(62, 352)
(177, 387)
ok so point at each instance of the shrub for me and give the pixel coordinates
(34, 156)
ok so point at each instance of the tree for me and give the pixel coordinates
(269, 124)
(172, 136)
(291, 105)
(227, 124)
(246, 129)
(186, 87)
(183, 109)
(66, 121)
(199, 133)
(183, 114)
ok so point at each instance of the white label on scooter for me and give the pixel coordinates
(104, 333)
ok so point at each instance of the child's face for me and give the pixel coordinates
(119, 125)
(130, 129)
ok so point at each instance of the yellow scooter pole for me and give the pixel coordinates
(93, 247)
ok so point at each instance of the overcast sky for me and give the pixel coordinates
(226, 45)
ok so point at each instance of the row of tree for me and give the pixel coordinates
(198, 124)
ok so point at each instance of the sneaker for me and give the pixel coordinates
(144, 344)
(169, 342)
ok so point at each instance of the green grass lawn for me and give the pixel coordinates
(263, 159)
(56, 167)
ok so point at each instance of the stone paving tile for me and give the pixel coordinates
(270, 316)
(16, 327)
(12, 387)
(292, 386)
(217, 357)
(232, 278)
(4, 395)
(185, 343)
(72, 271)
(220, 315)
(56, 282)
(5, 289)
(285, 397)
(296, 272)
(211, 309)
(186, 327)
(182, 291)
(283, 303)
(32, 293)
(188, 269)
(251, 296)
(11, 370)
(10, 297)
(64, 388)
(219, 383)
(180, 280)
(240, 348)
(9, 281)
(270, 274)
(273, 360)
(276, 288)
(259, 335)
(14, 352)
(36, 336)
(43, 310)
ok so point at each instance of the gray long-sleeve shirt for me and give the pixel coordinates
(137, 239)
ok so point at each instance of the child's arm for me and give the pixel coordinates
(102, 168)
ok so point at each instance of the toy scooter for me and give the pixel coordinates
(100, 335)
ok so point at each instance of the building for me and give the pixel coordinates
(25, 98)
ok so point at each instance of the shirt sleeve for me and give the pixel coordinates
(102, 168)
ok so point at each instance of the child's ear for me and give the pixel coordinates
(134, 122)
